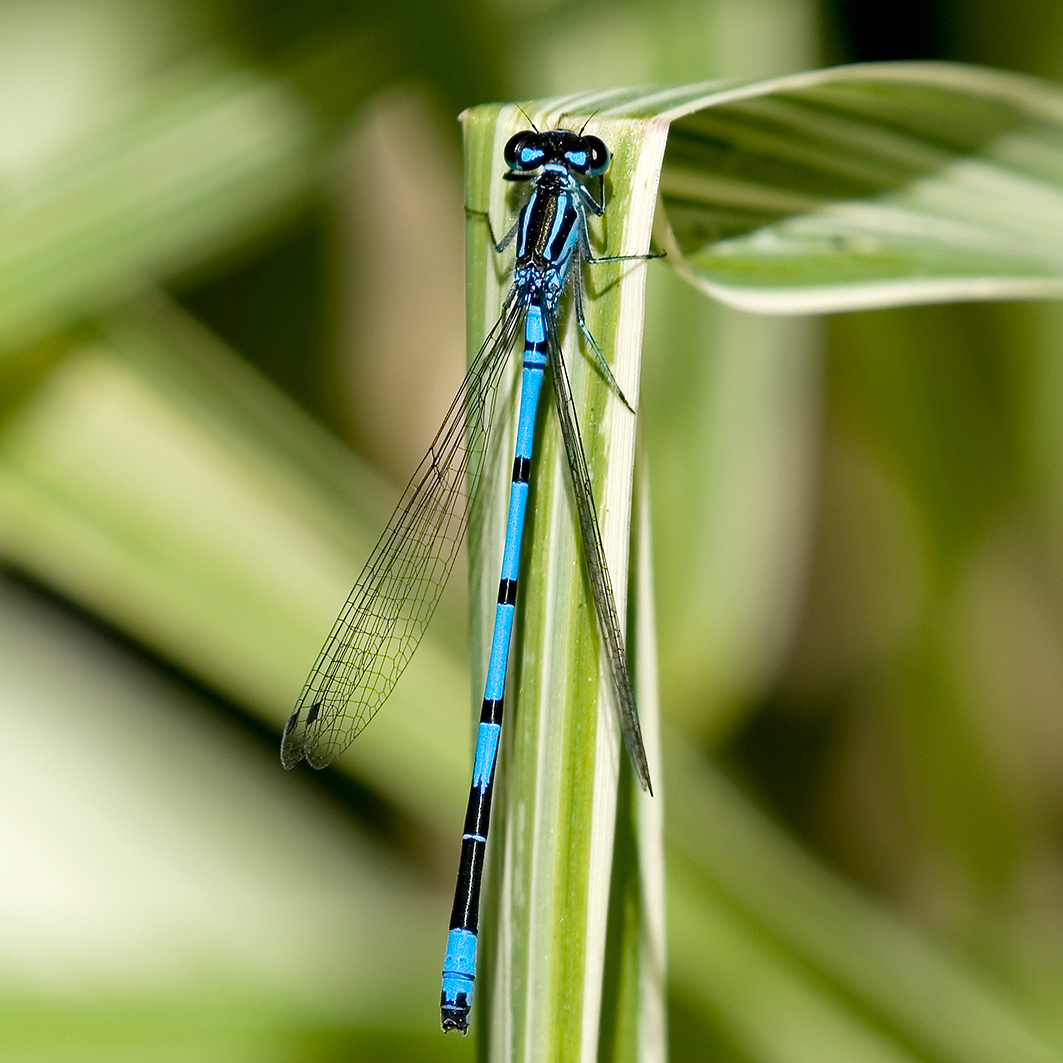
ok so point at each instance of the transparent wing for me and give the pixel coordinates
(597, 569)
(397, 593)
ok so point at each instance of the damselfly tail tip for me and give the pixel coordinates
(454, 1015)
(449, 1024)
(459, 976)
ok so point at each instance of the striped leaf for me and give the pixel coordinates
(569, 894)
(857, 187)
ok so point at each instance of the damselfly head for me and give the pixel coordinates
(577, 152)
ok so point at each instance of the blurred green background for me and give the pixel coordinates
(231, 316)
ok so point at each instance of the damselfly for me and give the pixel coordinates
(397, 592)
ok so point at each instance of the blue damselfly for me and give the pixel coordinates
(397, 592)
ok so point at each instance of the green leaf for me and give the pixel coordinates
(576, 874)
(873, 185)
(152, 477)
(195, 163)
(861, 186)
(796, 963)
